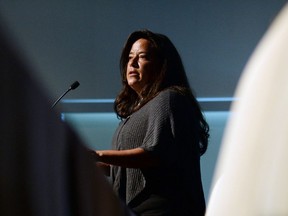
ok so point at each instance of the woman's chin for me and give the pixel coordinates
(135, 86)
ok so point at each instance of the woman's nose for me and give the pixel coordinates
(133, 62)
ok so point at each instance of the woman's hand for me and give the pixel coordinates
(105, 168)
(93, 155)
(131, 158)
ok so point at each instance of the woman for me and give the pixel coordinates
(155, 161)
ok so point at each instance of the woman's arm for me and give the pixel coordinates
(132, 158)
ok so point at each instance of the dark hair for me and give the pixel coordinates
(172, 75)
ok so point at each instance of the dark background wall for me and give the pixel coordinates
(82, 40)
(72, 40)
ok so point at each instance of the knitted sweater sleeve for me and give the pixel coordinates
(160, 135)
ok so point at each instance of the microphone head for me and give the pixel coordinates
(74, 85)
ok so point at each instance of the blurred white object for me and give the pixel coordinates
(251, 176)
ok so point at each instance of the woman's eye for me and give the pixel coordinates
(130, 58)
(143, 56)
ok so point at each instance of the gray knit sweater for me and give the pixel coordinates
(167, 127)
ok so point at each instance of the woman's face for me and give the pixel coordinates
(142, 65)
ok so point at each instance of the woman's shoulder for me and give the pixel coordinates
(169, 98)
(171, 95)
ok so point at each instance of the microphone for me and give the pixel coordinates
(72, 87)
